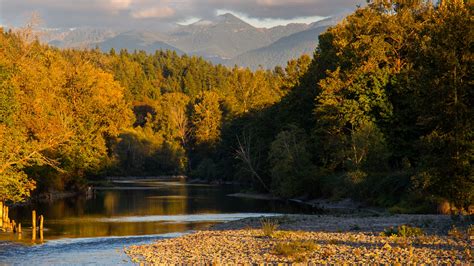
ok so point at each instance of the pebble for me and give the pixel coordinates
(248, 245)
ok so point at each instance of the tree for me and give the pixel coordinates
(32, 117)
(206, 118)
(250, 158)
(96, 103)
(172, 120)
(355, 94)
(442, 97)
(291, 168)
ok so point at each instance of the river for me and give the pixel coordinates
(95, 229)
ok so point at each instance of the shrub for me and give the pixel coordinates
(454, 232)
(295, 249)
(403, 231)
(269, 226)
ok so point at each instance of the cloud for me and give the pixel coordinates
(120, 4)
(156, 13)
(272, 3)
(270, 22)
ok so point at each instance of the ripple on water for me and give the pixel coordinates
(74, 251)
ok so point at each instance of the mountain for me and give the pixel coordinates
(133, 40)
(227, 36)
(76, 37)
(281, 51)
(286, 48)
(224, 39)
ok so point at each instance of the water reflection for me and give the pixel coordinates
(142, 207)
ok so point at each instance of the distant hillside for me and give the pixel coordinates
(281, 51)
(224, 39)
(132, 40)
(226, 36)
(77, 37)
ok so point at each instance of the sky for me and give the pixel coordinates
(163, 13)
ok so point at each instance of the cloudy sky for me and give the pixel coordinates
(162, 13)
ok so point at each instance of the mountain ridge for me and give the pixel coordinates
(224, 39)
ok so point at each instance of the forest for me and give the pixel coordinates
(382, 113)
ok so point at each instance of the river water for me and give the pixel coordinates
(94, 230)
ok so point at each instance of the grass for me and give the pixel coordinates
(403, 231)
(454, 232)
(269, 226)
(297, 250)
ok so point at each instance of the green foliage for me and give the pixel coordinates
(403, 231)
(206, 169)
(15, 185)
(290, 162)
(382, 113)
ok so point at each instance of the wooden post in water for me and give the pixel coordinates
(41, 222)
(41, 227)
(1, 214)
(33, 225)
(19, 228)
(33, 220)
(13, 226)
(6, 222)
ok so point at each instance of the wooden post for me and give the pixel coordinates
(6, 222)
(19, 228)
(33, 220)
(13, 226)
(41, 222)
(41, 227)
(1, 214)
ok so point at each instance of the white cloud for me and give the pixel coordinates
(188, 21)
(270, 22)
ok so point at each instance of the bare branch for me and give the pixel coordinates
(244, 154)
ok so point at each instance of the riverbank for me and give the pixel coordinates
(316, 239)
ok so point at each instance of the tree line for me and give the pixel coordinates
(382, 113)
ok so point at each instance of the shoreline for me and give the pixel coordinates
(315, 239)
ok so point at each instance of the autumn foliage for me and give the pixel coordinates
(383, 112)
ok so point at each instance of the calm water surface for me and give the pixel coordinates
(95, 230)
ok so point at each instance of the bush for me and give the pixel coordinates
(269, 227)
(206, 169)
(403, 231)
(295, 249)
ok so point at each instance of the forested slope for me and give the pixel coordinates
(383, 113)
